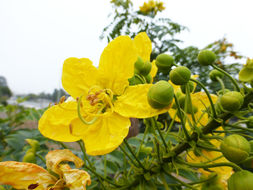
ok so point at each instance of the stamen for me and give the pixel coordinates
(62, 99)
(80, 115)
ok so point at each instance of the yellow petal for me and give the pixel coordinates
(207, 156)
(22, 175)
(75, 179)
(143, 45)
(116, 64)
(201, 101)
(134, 103)
(153, 69)
(55, 157)
(55, 122)
(106, 134)
(78, 75)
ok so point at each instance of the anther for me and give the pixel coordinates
(62, 99)
(70, 129)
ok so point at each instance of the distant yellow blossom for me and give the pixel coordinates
(152, 6)
(22, 175)
(105, 100)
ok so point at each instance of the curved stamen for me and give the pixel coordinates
(80, 115)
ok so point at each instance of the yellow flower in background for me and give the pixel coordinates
(22, 175)
(223, 171)
(105, 100)
(152, 6)
(200, 101)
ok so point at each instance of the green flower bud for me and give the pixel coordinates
(160, 94)
(206, 57)
(214, 74)
(250, 122)
(180, 75)
(29, 157)
(148, 78)
(164, 62)
(34, 144)
(241, 180)
(231, 101)
(235, 148)
(134, 81)
(181, 101)
(190, 87)
(142, 67)
(220, 92)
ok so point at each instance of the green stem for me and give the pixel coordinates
(171, 125)
(105, 162)
(221, 83)
(178, 180)
(208, 95)
(201, 165)
(230, 77)
(84, 153)
(130, 149)
(181, 118)
(154, 123)
(208, 148)
(164, 182)
(125, 152)
(188, 97)
(41, 158)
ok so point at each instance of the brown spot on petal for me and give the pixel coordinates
(33, 186)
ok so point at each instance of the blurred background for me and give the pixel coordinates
(36, 37)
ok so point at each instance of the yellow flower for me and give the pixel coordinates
(22, 175)
(151, 6)
(223, 171)
(105, 99)
(200, 101)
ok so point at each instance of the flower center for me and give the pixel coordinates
(98, 102)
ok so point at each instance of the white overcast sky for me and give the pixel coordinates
(36, 36)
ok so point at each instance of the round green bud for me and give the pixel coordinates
(206, 57)
(241, 180)
(214, 74)
(231, 101)
(190, 87)
(250, 122)
(235, 148)
(148, 78)
(164, 62)
(29, 157)
(141, 67)
(180, 75)
(160, 94)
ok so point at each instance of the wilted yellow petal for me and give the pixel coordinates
(105, 135)
(116, 64)
(22, 175)
(134, 103)
(55, 122)
(143, 45)
(78, 75)
(75, 179)
(55, 157)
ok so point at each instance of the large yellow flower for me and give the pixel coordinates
(106, 101)
(21, 175)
